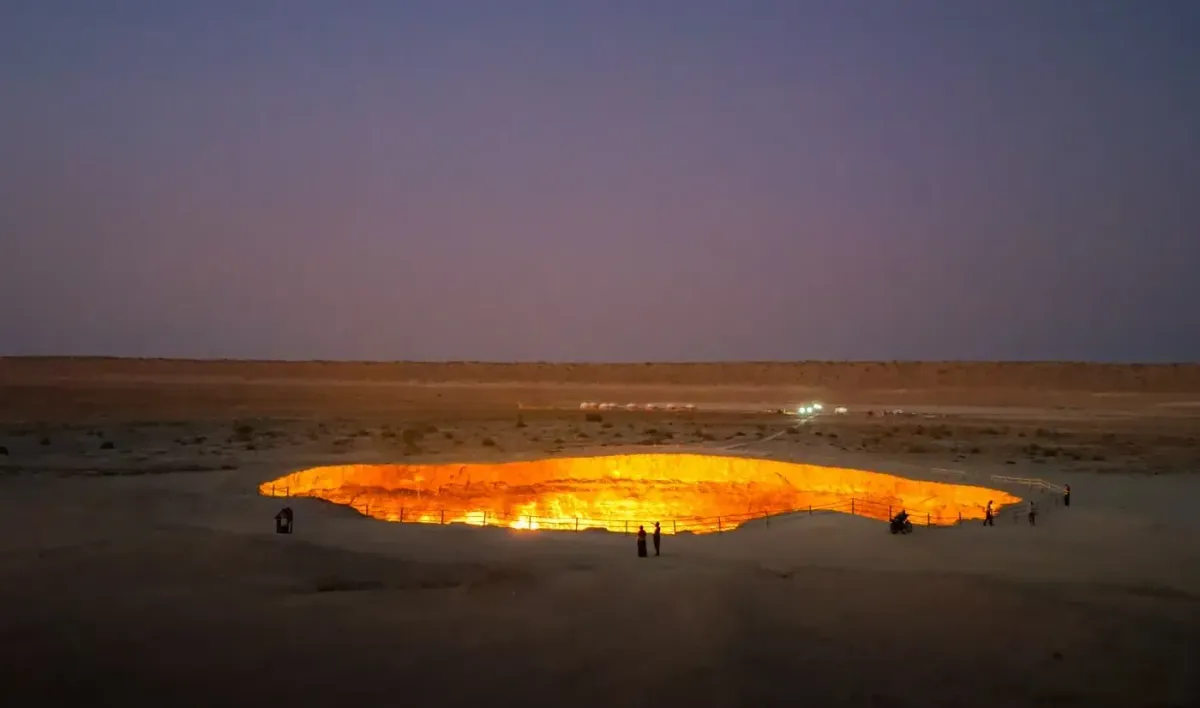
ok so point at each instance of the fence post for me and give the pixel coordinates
(852, 506)
(443, 516)
(367, 510)
(960, 518)
(485, 518)
(719, 529)
(626, 526)
(576, 523)
(272, 490)
(401, 514)
(889, 511)
(927, 518)
(673, 529)
(810, 509)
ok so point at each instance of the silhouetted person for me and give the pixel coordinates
(283, 520)
(641, 541)
(1032, 513)
(657, 537)
(988, 518)
(1067, 495)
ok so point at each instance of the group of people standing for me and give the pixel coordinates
(989, 518)
(641, 540)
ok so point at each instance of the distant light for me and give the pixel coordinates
(816, 406)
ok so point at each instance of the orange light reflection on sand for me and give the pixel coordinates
(692, 491)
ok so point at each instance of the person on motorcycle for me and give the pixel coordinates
(899, 519)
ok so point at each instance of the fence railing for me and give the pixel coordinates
(428, 514)
(882, 511)
(1030, 483)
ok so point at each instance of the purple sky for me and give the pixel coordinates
(616, 180)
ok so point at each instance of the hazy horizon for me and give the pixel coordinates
(621, 181)
(744, 362)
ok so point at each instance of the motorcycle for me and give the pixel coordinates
(901, 527)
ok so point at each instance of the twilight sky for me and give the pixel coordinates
(598, 181)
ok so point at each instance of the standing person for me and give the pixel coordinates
(988, 518)
(1067, 495)
(283, 520)
(657, 537)
(641, 541)
(1032, 513)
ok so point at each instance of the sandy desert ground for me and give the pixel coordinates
(137, 562)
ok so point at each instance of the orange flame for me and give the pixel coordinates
(691, 492)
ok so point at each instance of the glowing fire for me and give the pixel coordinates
(697, 493)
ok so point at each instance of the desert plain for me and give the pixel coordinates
(138, 562)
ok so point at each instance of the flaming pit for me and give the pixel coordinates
(686, 492)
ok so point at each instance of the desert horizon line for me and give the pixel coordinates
(628, 363)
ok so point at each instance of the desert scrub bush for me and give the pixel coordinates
(606, 424)
(107, 445)
(488, 442)
(593, 417)
(521, 421)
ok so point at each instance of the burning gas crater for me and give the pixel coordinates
(686, 492)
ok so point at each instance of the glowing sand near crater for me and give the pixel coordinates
(686, 492)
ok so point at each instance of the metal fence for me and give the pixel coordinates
(431, 514)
